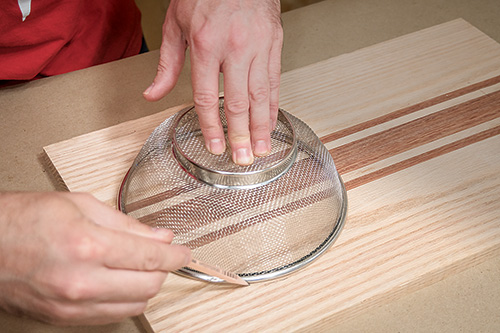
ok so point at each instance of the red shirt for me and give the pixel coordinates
(59, 36)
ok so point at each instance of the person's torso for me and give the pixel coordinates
(49, 37)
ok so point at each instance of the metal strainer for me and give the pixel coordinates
(259, 221)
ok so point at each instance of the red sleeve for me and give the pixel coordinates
(60, 36)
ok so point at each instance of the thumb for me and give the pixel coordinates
(172, 55)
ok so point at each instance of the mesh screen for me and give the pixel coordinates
(251, 232)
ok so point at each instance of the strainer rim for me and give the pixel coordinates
(206, 174)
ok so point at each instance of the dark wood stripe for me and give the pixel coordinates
(422, 158)
(376, 147)
(261, 218)
(165, 195)
(410, 109)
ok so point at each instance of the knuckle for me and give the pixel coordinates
(162, 66)
(236, 107)
(274, 80)
(86, 248)
(238, 34)
(259, 94)
(260, 129)
(203, 40)
(150, 259)
(239, 139)
(212, 130)
(205, 99)
(238, 39)
(75, 289)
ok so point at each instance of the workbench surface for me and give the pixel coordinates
(40, 113)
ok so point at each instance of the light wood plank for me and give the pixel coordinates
(421, 209)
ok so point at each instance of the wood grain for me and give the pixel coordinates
(410, 109)
(414, 127)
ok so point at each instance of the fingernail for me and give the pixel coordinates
(161, 230)
(147, 91)
(243, 156)
(261, 148)
(216, 146)
(163, 234)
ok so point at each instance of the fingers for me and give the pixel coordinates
(90, 313)
(134, 286)
(127, 242)
(172, 55)
(246, 45)
(274, 76)
(205, 82)
(247, 103)
(109, 285)
(108, 217)
(259, 96)
(131, 252)
(236, 106)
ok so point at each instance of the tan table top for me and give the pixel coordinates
(37, 114)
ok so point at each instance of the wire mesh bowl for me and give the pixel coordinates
(259, 221)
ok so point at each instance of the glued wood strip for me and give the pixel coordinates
(373, 148)
(411, 109)
(365, 179)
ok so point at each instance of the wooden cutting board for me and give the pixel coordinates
(413, 125)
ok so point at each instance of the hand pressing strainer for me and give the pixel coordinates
(259, 221)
